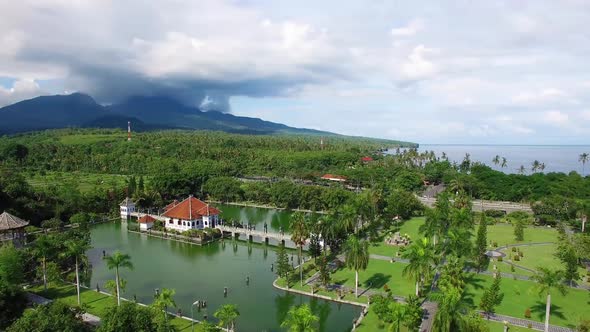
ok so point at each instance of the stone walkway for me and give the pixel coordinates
(430, 309)
(525, 323)
(86, 317)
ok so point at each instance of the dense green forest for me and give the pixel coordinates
(60, 172)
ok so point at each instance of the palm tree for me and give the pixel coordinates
(452, 307)
(584, 157)
(536, 165)
(299, 235)
(300, 319)
(422, 258)
(504, 162)
(521, 169)
(542, 167)
(398, 316)
(548, 280)
(76, 249)
(163, 300)
(357, 258)
(115, 261)
(42, 247)
(227, 315)
(496, 160)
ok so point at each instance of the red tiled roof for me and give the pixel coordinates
(190, 209)
(171, 205)
(146, 219)
(367, 159)
(332, 176)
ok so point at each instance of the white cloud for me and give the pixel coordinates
(21, 89)
(417, 65)
(412, 28)
(555, 118)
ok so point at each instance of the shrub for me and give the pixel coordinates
(386, 288)
(512, 268)
(495, 244)
(513, 249)
(527, 313)
(500, 259)
(494, 213)
(516, 258)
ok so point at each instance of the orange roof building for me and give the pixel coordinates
(191, 213)
(332, 177)
(146, 222)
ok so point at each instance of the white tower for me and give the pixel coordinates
(128, 130)
(127, 207)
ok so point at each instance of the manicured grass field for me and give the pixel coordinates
(378, 274)
(535, 256)
(503, 234)
(519, 295)
(499, 327)
(94, 302)
(409, 227)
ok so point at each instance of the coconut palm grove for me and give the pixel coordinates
(208, 231)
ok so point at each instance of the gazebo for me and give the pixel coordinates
(11, 227)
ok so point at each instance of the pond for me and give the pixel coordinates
(201, 273)
(275, 219)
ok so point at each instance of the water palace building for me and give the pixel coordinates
(191, 213)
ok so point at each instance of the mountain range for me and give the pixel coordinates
(144, 112)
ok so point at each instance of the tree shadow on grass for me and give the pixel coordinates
(340, 281)
(475, 283)
(539, 311)
(377, 280)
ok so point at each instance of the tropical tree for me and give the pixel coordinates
(116, 261)
(584, 157)
(452, 306)
(42, 248)
(521, 169)
(77, 249)
(547, 281)
(535, 166)
(299, 235)
(422, 259)
(300, 319)
(504, 162)
(496, 160)
(398, 316)
(492, 297)
(283, 266)
(357, 257)
(227, 315)
(542, 167)
(481, 241)
(163, 300)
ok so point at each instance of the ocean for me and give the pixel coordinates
(563, 158)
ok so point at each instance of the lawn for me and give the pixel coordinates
(519, 295)
(93, 302)
(409, 227)
(378, 274)
(503, 234)
(499, 327)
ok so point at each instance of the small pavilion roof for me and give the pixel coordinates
(146, 219)
(8, 222)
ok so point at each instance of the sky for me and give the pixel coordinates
(461, 72)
